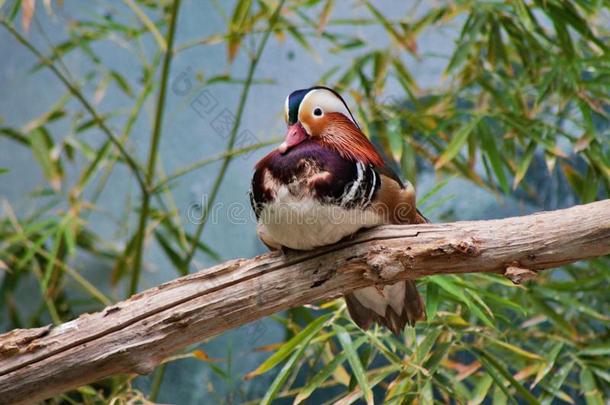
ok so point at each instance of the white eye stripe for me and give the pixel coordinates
(327, 101)
(286, 108)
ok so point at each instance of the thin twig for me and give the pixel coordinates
(204, 162)
(148, 24)
(133, 165)
(227, 160)
(153, 152)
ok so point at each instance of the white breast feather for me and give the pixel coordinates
(304, 223)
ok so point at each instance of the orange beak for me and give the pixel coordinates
(295, 135)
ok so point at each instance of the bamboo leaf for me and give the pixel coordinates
(352, 357)
(457, 141)
(15, 135)
(480, 390)
(425, 346)
(559, 320)
(394, 34)
(148, 24)
(447, 284)
(240, 13)
(170, 252)
(432, 300)
(325, 15)
(601, 349)
(490, 148)
(556, 382)
(589, 388)
(287, 348)
(42, 147)
(121, 82)
(517, 350)
(526, 159)
(283, 375)
(491, 362)
(317, 380)
(550, 363)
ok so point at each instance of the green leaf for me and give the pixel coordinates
(380, 375)
(457, 142)
(405, 77)
(287, 348)
(87, 390)
(283, 375)
(589, 388)
(499, 396)
(170, 252)
(33, 248)
(601, 349)
(517, 350)
(324, 15)
(352, 357)
(394, 34)
(550, 362)
(438, 186)
(526, 159)
(69, 236)
(489, 147)
(15, 135)
(432, 300)
(550, 313)
(121, 82)
(322, 375)
(425, 393)
(480, 390)
(300, 38)
(425, 346)
(240, 13)
(556, 382)
(42, 148)
(51, 266)
(449, 286)
(491, 362)
(437, 356)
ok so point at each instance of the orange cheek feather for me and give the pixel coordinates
(341, 134)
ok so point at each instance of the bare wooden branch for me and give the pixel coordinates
(135, 335)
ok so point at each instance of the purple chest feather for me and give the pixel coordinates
(314, 170)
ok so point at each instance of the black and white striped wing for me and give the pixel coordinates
(359, 192)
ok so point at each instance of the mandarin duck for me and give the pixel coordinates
(324, 183)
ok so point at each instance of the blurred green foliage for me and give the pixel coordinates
(525, 80)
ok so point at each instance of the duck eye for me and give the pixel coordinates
(318, 112)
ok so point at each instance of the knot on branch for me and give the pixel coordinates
(385, 263)
(518, 274)
(21, 340)
(467, 246)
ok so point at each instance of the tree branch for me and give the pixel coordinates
(135, 335)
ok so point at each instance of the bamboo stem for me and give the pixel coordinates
(227, 160)
(153, 153)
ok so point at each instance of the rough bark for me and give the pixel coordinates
(135, 335)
